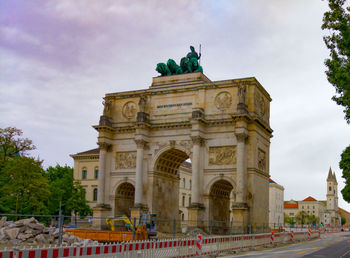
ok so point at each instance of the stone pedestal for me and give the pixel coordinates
(240, 218)
(100, 213)
(196, 215)
(135, 213)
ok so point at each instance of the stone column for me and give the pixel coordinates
(101, 174)
(195, 210)
(240, 207)
(139, 175)
(241, 179)
(197, 143)
(102, 209)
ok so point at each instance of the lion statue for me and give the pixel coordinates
(163, 69)
(173, 67)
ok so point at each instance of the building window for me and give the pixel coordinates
(291, 214)
(302, 207)
(183, 200)
(96, 173)
(313, 207)
(189, 201)
(183, 182)
(84, 173)
(330, 188)
(94, 198)
(190, 184)
(182, 217)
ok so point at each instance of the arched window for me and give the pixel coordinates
(84, 173)
(183, 200)
(189, 200)
(183, 182)
(94, 197)
(96, 173)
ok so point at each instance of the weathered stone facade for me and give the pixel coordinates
(222, 126)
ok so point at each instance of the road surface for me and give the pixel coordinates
(328, 246)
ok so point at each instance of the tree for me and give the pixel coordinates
(343, 221)
(26, 190)
(71, 195)
(301, 217)
(77, 203)
(12, 144)
(344, 165)
(61, 185)
(312, 219)
(337, 22)
(288, 220)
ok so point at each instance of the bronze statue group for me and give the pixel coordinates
(188, 64)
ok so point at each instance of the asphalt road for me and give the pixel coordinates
(330, 245)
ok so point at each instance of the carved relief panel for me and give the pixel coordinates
(224, 155)
(125, 160)
(223, 100)
(129, 110)
(261, 106)
(261, 160)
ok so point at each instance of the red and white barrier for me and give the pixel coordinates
(167, 248)
(272, 238)
(291, 235)
(199, 245)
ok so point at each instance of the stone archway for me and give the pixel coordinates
(219, 205)
(165, 197)
(124, 199)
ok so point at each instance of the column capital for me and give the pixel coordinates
(241, 136)
(198, 140)
(104, 146)
(140, 143)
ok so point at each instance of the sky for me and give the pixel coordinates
(58, 58)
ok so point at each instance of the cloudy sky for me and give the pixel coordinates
(59, 57)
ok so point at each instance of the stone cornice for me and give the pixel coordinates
(103, 128)
(85, 156)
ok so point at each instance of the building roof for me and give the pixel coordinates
(92, 151)
(187, 165)
(290, 205)
(310, 199)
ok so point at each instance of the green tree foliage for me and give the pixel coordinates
(12, 144)
(301, 217)
(77, 203)
(343, 221)
(26, 189)
(337, 22)
(71, 195)
(288, 219)
(344, 165)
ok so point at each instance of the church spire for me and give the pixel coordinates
(330, 175)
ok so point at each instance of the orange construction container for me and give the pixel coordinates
(106, 235)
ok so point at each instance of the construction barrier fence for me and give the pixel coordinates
(198, 246)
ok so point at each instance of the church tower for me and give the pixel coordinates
(332, 189)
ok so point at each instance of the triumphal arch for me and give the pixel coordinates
(222, 127)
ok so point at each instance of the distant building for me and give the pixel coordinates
(326, 211)
(276, 197)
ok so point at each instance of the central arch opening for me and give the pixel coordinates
(219, 205)
(166, 183)
(124, 199)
